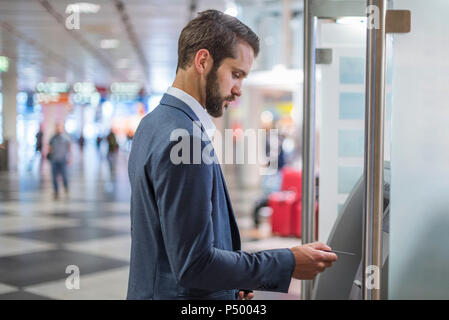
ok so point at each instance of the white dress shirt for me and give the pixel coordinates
(197, 108)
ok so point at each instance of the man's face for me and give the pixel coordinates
(224, 85)
(59, 128)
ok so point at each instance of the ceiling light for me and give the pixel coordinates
(82, 7)
(109, 43)
(122, 64)
(351, 20)
(231, 9)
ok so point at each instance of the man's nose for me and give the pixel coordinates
(236, 91)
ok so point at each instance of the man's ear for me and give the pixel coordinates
(203, 61)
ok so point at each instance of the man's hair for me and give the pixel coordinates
(217, 32)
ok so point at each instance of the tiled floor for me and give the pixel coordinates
(88, 228)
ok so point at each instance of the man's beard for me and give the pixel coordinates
(214, 100)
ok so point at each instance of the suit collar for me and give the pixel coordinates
(174, 102)
(197, 108)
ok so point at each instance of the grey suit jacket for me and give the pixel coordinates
(185, 240)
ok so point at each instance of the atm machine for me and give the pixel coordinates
(343, 281)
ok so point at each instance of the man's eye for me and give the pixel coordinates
(236, 75)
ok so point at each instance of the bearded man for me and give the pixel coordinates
(185, 239)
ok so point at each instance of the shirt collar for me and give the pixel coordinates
(197, 108)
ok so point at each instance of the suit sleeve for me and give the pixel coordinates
(183, 194)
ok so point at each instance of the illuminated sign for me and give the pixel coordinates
(51, 98)
(125, 87)
(85, 93)
(53, 87)
(49, 93)
(84, 87)
(125, 91)
(4, 64)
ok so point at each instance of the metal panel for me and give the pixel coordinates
(323, 56)
(335, 9)
(308, 138)
(374, 149)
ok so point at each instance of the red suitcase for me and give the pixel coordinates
(296, 219)
(281, 219)
(292, 180)
(286, 204)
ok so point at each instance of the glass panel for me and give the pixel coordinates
(419, 236)
(340, 116)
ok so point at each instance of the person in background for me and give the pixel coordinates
(38, 154)
(129, 139)
(59, 156)
(81, 142)
(39, 139)
(99, 139)
(271, 182)
(112, 150)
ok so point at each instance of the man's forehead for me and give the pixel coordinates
(243, 60)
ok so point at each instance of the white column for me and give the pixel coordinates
(9, 113)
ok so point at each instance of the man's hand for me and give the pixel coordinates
(311, 259)
(246, 295)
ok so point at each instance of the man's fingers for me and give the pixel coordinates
(329, 257)
(321, 266)
(243, 296)
(319, 246)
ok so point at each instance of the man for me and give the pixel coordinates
(185, 240)
(39, 139)
(112, 151)
(39, 148)
(59, 156)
